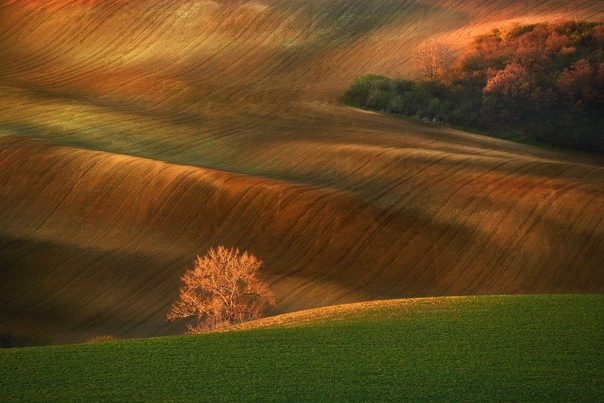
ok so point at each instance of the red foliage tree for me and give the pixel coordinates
(576, 82)
(510, 82)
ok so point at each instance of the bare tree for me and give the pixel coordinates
(431, 57)
(222, 289)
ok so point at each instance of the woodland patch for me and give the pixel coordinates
(537, 83)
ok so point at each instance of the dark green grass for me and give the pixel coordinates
(520, 348)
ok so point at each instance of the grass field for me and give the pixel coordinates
(491, 348)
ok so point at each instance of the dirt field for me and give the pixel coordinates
(135, 135)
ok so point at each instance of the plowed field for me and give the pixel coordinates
(135, 135)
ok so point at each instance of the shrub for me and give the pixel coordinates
(10, 339)
(101, 338)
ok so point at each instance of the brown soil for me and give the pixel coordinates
(134, 135)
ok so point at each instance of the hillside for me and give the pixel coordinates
(490, 348)
(134, 135)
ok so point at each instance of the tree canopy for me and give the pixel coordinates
(541, 83)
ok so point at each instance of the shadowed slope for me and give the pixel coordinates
(98, 220)
(104, 237)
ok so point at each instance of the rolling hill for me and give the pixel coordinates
(479, 348)
(134, 135)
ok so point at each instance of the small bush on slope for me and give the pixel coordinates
(101, 338)
(10, 339)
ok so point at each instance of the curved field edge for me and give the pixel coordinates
(487, 348)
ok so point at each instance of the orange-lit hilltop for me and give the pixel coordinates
(135, 135)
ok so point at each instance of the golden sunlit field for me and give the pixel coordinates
(137, 134)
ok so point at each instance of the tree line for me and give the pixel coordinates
(538, 83)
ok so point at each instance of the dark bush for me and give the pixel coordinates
(9, 339)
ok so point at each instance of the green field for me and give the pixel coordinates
(487, 348)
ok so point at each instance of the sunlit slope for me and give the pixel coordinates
(209, 82)
(99, 245)
(195, 61)
(134, 135)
